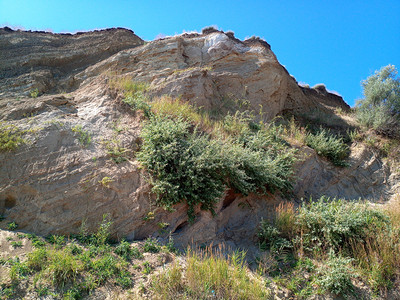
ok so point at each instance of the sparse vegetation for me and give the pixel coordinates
(117, 153)
(84, 136)
(71, 269)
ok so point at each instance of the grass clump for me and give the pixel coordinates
(10, 137)
(209, 275)
(167, 106)
(186, 165)
(133, 93)
(330, 146)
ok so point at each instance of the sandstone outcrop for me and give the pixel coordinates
(60, 177)
(47, 62)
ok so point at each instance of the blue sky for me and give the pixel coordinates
(335, 42)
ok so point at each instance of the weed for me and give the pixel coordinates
(103, 232)
(151, 245)
(147, 268)
(84, 136)
(167, 106)
(34, 93)
(57, 240)
(18, 271)
(127, 85)
(63, 267)
(162, 225)
(116, 151)
(17, 244)
(12, 226)
(105, 181)
(355, 135)
(124, 250)
(294, 132)
(149, 216)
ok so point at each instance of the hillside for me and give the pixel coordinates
(75, 113)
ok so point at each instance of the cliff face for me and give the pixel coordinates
(48, 62)
(59, 177)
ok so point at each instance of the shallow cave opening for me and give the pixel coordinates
(10, 201)
(229, 198)
(180, 227)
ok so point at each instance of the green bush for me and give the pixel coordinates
(380, 108)
(335, 276)
(182, 165)
(186, 165)
(10, 137)
(270, 238)
(335, 224)
(330, 146)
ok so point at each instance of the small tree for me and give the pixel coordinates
(380, 108)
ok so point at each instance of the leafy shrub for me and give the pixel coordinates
(330, 146)
(335, 276)
(192, 167)
(334, 224)
(182, 165)
(380, 108)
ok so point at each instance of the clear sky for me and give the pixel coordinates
(335, 42)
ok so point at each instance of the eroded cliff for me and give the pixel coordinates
(64, 172)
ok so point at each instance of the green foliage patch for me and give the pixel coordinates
(380, 108)
(347, 239)
(187, 165)
(10, 137)
(328, 145)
